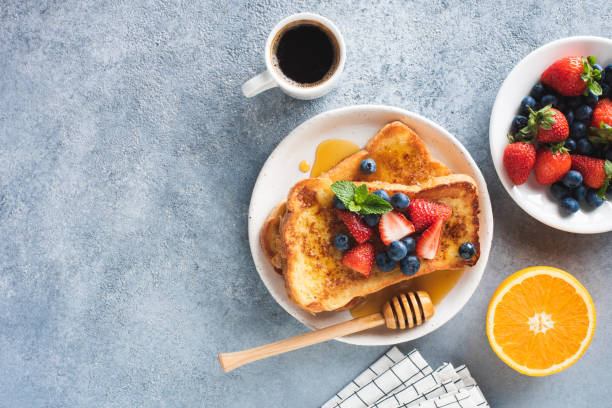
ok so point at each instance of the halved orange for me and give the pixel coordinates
(540, 320)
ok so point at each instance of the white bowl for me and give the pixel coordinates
(358, 124)
(532, 197)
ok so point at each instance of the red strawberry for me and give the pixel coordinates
(428, 243)
(393, 226)
(519, 159)
(602, 113)
(595, 172)
(552, 126)
(360, 258)
(423, 213)
(551, 166)
(359, 230)
(566, 75)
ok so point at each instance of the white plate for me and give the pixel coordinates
(531, 196)
(358, 124)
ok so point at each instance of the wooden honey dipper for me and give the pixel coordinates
(403, 311)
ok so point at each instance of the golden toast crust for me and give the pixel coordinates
(312, 267)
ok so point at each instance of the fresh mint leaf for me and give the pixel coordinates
(373, 204)
(361, 193)
(351, 206)
(358, 199)
(592, 60)
(344, 190)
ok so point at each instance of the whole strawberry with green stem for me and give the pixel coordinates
(547, 125)
(552, 163)
(596, 173)
(601, 123)
(519, 159)
(573, 76)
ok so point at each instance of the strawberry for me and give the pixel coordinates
(360, 258)
(359, 230)
(519, 159)
(428, 243)
(548, 125)
(601, 125)
(571, 76)
(596, 173)
(551, 164)
(393, 226)
(602, 113)
(423, 213)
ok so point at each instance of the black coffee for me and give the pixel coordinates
(306, 53)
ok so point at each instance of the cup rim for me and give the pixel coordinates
(284, 84)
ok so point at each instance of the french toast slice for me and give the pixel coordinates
(401, 157)
(312, 267)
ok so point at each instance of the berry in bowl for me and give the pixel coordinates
(551, 134)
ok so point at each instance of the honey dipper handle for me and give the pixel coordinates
(230, 361)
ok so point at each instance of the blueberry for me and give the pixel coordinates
(382, 194)
(397, 250)
(600, 69)
(569, 116)
(518, 123)
(591, 99)
(607, 72)
(526, 103)
(559, 190)
(384, 263)
(400, 201)
(569, 204)
(605, 90)
(574, 101)
(410, 265)
(570, 144)
(580, 193)
(597, 152)
(608, 155)
(467, 250)
(341, 241)
(593, 199)
(548, 100)
(537, 91)
(583, 113)
(339, 204)
(372, 219)
(410, 244)
(368, 166)
(584, 147)
(597, 67)
(578, 130)
(572, 179)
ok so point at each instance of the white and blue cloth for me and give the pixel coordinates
(397, 380)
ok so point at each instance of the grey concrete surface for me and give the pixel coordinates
(128, 158)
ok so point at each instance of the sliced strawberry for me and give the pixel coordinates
(358, 228)
(360, 258)
(393, 226)
(423, 213)
(427, 245)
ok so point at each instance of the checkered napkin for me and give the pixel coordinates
(396, 380)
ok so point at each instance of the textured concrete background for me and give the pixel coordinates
(128, 158)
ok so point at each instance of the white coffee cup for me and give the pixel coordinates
(273, 76)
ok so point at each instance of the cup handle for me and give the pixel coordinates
(258, 84)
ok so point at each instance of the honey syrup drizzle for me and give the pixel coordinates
(438, 284)
(331, 152)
